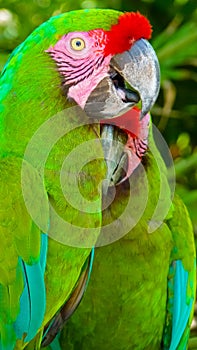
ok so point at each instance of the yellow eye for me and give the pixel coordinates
(77, 44)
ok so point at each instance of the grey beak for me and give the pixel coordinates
(140, 68)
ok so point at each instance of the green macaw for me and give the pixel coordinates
(71, 72)
(141, 292)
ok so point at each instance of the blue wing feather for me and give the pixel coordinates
(43, 252)
(181, 308)
(90, 265)
(33, 299)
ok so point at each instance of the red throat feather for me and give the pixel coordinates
(129, 121)
(131, 26)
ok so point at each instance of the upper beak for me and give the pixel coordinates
(139, 68)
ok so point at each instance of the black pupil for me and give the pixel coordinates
(78, 43)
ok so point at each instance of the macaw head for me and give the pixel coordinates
(107, 66)
(106, 63)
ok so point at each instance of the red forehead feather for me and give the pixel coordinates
(131, 26)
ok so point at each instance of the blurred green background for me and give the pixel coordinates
(175, 42)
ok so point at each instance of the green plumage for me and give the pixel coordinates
(125, 305)
(30, 95)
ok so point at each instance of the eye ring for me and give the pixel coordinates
(77, 44)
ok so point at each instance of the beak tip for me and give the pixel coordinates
(146, 107)
(143, 74)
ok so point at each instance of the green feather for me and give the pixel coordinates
(31, 94)
(125, 305)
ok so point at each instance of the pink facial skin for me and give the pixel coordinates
(81, 61)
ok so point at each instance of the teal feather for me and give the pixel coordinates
(43, 252)
(181, 308)
(90, 266)
(23, 320)
(33, 299)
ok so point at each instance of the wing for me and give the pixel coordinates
(58, 322)
(181, 281)
(23, 252)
